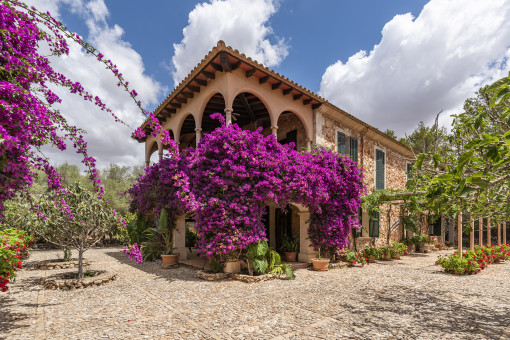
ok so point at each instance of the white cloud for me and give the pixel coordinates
(107, 140)
(242, 24)
(423, 65)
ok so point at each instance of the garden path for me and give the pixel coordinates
(403, 299)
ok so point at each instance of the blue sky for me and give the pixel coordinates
(390, 63)
(345, 27)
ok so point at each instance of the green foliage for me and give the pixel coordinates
(165, 229)
(217, 266)
(261, 259)
(290, 244)
(355, 257)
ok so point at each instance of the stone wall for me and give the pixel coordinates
(395, 169)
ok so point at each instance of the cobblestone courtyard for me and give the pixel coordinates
(409, 299)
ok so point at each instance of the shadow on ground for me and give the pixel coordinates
(178, 272)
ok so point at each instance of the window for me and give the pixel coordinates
(354, 149)
(379, 169)
(409, 176)
(373, 224)
(340, 142)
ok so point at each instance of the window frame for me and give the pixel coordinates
(338, 133)
(375, 168)
(371, 222)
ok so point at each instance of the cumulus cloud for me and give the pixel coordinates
(242, 24)
(107, 140)
(423, 65)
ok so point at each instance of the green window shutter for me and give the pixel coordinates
(373, 224)
(354, 149)
(340, 142)
(379, 169)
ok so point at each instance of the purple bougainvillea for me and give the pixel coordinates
(231, 176)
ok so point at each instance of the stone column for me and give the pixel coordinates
(472, 236)
(489, 231)
(198, 132)
(504, 232)
(459, 234)
(179, 238)
(147, 163)
(306, 251)
(272, 227)
(480, 231)
(274, 130)
(308, 144)
(499, 234)
(160, 154)
(228, 116)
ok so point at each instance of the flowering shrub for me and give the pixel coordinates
(227, 180)
(13, 243)
(372, 251)
(390, 251)
(401, 248)
(356, 257)
(134, 253)
(473, 262)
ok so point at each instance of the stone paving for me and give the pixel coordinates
(403, 299)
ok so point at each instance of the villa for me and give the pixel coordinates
(254, 96)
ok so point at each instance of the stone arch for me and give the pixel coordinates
(292, 128)
(260, 96)
(199, 115)
(250, 112)
(151, 147)
(216, 103)
(186, 135)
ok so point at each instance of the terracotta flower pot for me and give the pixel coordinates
(232, 267)
(170, 260)
(386, 257)
(320, 264)
(290, 257)
(371, 259)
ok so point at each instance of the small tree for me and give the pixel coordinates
(81, 226)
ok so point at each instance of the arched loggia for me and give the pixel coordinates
(250, 113)
(291, 129)
(215, 104)
(187, 136)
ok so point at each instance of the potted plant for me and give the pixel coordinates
(232, 264)
(371, 253)
(427, 243)
(320, 264)
(355, 257)
(290, 246)
(165, 230)
(388, 253)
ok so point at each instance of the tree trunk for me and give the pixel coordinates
(80, 263)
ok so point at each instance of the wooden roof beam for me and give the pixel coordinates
(263, 79)
(176, 105)
(276, 85)
(181, 100)
(249, 73)
(307, 101)
(187, 94)
(247, 107)
(209, 75)
(316, 106)
(287, 91)
(217, 67)
(235, 65)
(194, 88)
(201, 82)
(225, 63)
(297, 96)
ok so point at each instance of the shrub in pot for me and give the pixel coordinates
(371, 253)
(165, 230)
(355, 257)
(290, 246)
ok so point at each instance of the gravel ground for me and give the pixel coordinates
(403, 299)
